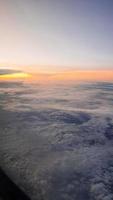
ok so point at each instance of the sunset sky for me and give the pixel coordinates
(56, 35)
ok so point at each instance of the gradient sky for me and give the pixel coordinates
(74, 33)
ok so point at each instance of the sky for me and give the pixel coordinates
(56, 34)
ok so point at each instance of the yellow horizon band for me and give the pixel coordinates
(14, 75)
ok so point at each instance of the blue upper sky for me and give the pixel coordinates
(57, 32)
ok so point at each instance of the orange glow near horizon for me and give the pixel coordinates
(88, 75)
(96, 75)
(77, 75)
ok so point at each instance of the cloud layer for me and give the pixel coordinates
(56, 142)
(8, 71)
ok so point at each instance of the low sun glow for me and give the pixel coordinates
(14, 76)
